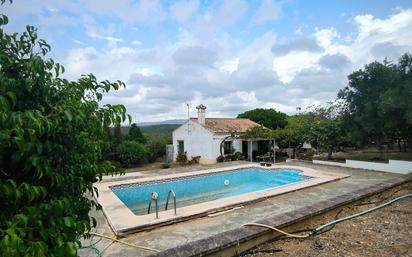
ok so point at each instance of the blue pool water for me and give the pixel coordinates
(202, 188)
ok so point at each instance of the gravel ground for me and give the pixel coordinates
(384, 232)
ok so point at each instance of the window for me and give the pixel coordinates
(180, 146)
(228, 147)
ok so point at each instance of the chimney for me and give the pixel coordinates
(201, 114)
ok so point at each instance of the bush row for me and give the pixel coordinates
(134, 148)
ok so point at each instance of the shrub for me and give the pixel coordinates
(135, 134)
(221, 158)
(194, 160)
(155, 148)
(165, 166)
(129, 153)
(181, 157)
(238, 156)
(51, 143)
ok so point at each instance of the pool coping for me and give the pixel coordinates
(123, 221)
(215, 245)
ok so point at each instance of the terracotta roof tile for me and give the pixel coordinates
(225, 125)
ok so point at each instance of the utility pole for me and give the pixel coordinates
(188, 117)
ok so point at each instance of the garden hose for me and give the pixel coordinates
(93, 247)
(319, 229)
(125, 243)
(278, 230)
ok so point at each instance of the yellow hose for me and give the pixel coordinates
(125, 243)
(278, 230)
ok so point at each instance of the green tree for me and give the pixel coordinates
(321, 126)
(362, 99)
(135, 134)
(293, 134)
(51, 132)
(130, 153)
(324, 133)
(155, 148)
(259, 132)
(396, 104)
(117, 137)
(269, 118)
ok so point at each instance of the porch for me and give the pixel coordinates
(259, 149)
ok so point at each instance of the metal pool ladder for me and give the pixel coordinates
(174, 199)
(153, 197)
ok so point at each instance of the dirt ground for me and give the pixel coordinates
(384, 232)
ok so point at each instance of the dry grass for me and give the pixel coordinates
(385, 232)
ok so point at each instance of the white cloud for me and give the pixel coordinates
(289, 65)
(142, 11)
(297, 45)
(230, 65)
(299, 30)
(137, 42)
(184, 10)
(372, 31)
(114, 64)
(112, 41)
(325, 36)
(207, 65)
(230, 11)
(78, 42)
(268, 11)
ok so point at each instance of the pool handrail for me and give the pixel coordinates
(153, 197)
(174, 200)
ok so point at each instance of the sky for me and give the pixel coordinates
(230, 55)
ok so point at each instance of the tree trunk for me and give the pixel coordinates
(378, 143)
(409, 144)
(399, 145)
(330, 153)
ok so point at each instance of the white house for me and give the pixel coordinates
(202, 137)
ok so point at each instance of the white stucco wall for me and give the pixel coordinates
(198, 141)
(201, 142)
(217, 139)
(393, 166)
(237, 144)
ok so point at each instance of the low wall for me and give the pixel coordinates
(341, 164)
(393, 166)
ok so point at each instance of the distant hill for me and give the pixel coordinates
(165, 122)
(162, 128)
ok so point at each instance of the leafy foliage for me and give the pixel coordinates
(51, 132)
(135, 134)
(117, 137)
(259, 132)
(165, 166)
(181, 157)
(156, 145)
(377, 101)
(324, 133)
(269, 118)
(194, 160)
(293, 134)
(220, 158)
(130, 152)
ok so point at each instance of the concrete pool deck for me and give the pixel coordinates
(203, 234)
(123, 221)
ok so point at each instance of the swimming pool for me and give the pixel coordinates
(196, 189)
(199, 193)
